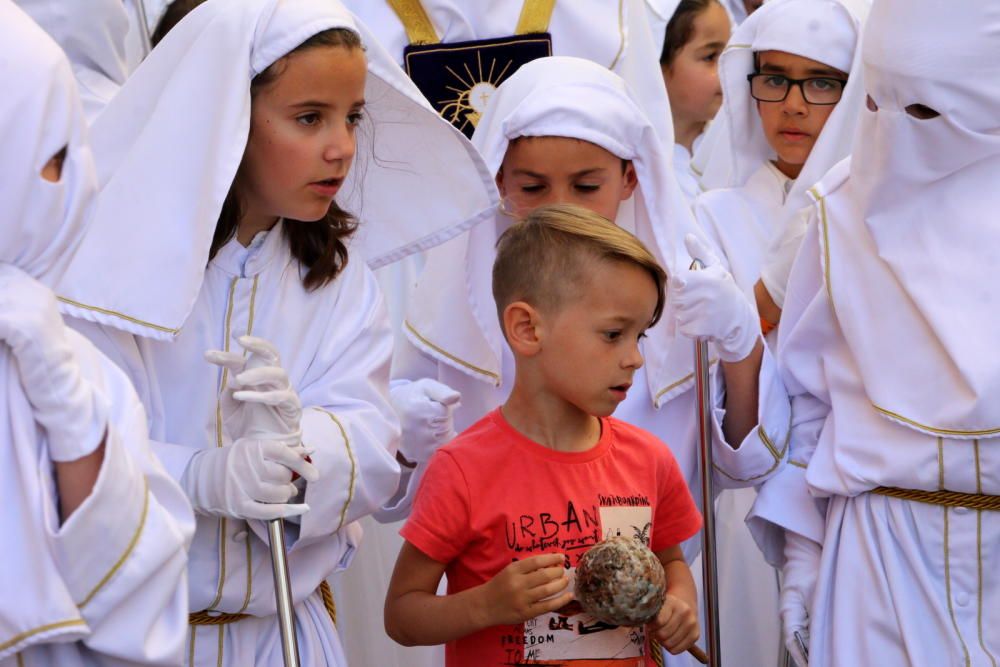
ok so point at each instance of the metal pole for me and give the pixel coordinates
(709, 560)
(283, 592)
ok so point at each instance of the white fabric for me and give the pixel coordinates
(425, 410)
(707, 303)
(928, 283)
(615, 35)
(798, 586)
(687, 178)
(135, 524)
(742, 221)
(195, 91)
(93, 35)
(73, 414)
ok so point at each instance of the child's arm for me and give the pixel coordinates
(416, 616)
(676, 626)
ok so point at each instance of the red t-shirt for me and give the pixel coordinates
(493, 496)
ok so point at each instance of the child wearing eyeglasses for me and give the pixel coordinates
(787, 78)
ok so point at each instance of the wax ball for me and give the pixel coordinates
(620, 581)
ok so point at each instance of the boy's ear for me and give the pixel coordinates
(520, 324)
(631, 180)
(499, 180)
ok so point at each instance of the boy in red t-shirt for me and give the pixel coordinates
(523, 493)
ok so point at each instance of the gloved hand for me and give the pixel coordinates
(259, 401)
(777, 265)
(798, 585)
(707, 303)
(249, 479)
(72, 412)
(425, 408)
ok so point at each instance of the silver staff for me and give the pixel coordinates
(709, 560)
(283, 592)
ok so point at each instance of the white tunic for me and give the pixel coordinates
(911, 583)
(335, 344)
(742, 221)
(110, 581)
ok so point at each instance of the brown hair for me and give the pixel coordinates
(172, 15)
(543, 258)
(321, 246)
(680, 29)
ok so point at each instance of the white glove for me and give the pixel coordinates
(259, 401)
(798, 584)
(778, 260)
(707, 303)
(425, 408)
(72, 412)
(249, 479)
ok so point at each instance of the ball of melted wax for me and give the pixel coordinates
(620, 581)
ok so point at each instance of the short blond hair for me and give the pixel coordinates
(544, 259)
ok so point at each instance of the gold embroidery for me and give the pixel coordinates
(128, 550)
(416, 22)
(193, 630)
(934, 429)
(535, 16)
(20, 660)
(218, 662)
(979, 557)
(940, 444)
(947, 589)
(354, 465)
(227, 333)
(777, 456)
(798, 464)
(18, 638)
(670, 387)
(128, 318)
(621, 34)
(481, 371)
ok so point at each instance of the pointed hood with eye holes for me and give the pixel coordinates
(909, 226)
(40, 115)
(169, 144)
(42, 222)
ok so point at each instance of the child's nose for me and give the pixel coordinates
(340, 145)
(795, 102)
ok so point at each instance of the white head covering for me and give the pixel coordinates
(39, 114)
(822, 30)
(93, 35)
(453, 309)
(913, 239)
(169, 144)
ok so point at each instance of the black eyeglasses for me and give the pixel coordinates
(815, 89)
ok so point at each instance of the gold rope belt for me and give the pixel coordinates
(204, 618)
(975, 501)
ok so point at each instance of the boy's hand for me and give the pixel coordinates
(525, 589)
(676, 626)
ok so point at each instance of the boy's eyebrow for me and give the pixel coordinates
(713, 45)
(587, 172)
(323, 105)
(812, 71)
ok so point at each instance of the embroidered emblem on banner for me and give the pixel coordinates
(458, 79)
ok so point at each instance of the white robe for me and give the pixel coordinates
(742, 221)
(335, 344)
(687, 178)
(106, 587)
(911, 583)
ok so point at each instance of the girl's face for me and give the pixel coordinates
(793, 126)
(692, 78)
(302, 133)
(537, 171)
